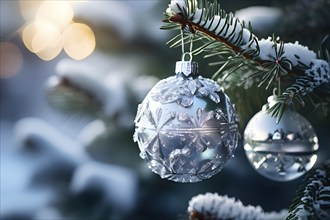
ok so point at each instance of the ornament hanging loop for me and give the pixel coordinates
(186, 66)
(187, 55)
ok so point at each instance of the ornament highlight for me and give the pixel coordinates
(283, 151)
(186, 127)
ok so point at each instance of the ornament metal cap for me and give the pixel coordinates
(187, 68)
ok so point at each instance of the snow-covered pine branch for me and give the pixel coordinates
(318, 73)
(217, 207)
(313, 197)
(84, 89)
(214, 22)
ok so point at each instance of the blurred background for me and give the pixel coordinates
(72, 74)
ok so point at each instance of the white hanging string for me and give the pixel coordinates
(186, 54)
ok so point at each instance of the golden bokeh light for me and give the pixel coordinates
(47, 35)
(47, 43)
(43, 38)
(52, 29)
(78, 41)
(11, 59)
(29, 8)
(49, 53)
(59, 13)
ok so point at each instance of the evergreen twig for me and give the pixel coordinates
(312, 200)
(226, 37)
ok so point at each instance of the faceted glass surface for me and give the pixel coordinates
(283, 151)
(186, 136)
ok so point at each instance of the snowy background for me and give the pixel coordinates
(82, 165)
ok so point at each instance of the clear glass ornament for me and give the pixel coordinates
(283, 151)
(186, 127)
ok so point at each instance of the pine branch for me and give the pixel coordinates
(217, 207)
(270, 59)
(312, 199)
(71, 101)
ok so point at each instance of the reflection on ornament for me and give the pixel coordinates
(186, 127)
(283, 151)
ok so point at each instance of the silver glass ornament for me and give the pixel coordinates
(283, 151)
(186, 127)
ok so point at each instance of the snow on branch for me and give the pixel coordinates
(214, 21)
(313, 197)
(317, 74)
(214, 206)
(277, 58)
